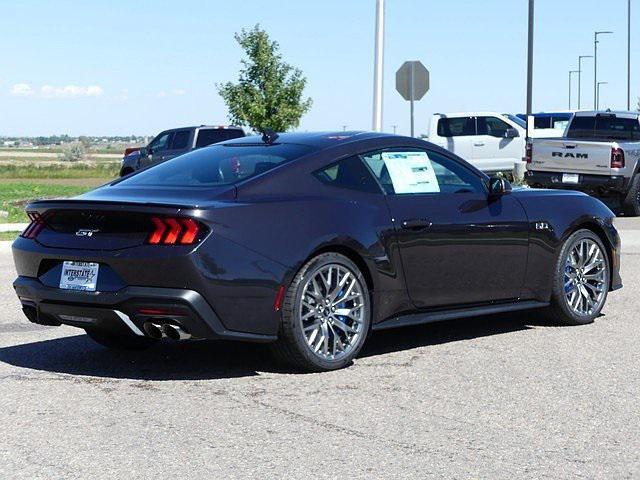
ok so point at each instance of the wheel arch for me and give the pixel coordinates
(597, 229)
(353, 255)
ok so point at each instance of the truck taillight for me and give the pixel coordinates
(528, 152)
(617, 158)
(174, 231)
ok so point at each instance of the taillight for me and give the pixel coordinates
(34, 227)
(174, 231)
(617, 158)
(528, 152)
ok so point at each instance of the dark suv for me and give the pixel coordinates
(171, 143)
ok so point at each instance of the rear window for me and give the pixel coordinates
(217, 165)
(456, 127)
(604, 126)
(209, 136)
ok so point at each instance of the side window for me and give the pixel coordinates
(180, 140)
(208, 136)
(349, 173)
(492, 126)
(456, 127)
(161, 142)
(410, 171)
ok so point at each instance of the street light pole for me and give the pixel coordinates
(378, 67)
(530, 68)
(595, 67)
(580, 77)
(571, 72)
(598, 94)
(629, 55)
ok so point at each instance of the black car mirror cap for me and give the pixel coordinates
(499, 186)
(511, 133)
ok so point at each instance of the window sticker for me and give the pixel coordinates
(411, 172)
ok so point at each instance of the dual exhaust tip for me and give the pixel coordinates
(168, 330)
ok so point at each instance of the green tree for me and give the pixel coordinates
(269, 91)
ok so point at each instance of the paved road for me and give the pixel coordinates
(496, 397)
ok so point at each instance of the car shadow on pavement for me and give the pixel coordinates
(206, 360)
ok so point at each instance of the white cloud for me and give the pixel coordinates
(21, 90)
(71, 91)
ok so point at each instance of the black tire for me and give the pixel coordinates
(631, 201)
(292, 347)
(560, 311)
(120, 342)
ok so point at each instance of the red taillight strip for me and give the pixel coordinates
(174, 230)
(36, 225)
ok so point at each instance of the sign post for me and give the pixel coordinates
(412, 82)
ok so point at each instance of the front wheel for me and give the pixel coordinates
(581, 279)
(325, 315)
(120, 342)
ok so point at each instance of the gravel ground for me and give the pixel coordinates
(494, 397)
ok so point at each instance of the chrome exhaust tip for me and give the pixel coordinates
(153, 330)
(175, 332)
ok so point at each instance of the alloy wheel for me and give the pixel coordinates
(585, 277)
(332, 312)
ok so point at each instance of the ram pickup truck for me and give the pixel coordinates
(599, 155)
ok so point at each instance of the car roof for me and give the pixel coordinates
(218, 127)
(617, 113)
(317, 140)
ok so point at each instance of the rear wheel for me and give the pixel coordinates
(581, 280)
(325, 315)
(631, 201)
(120, 342)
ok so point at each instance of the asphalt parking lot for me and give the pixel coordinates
(493, 397)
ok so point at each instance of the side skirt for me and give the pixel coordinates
(439, 316)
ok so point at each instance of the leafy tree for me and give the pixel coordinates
(269, 91)
(73, 153)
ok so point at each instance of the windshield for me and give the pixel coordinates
(217, 165)
(517, 120)
(604, 126)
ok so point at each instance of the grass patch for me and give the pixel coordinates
(81, 170)
(15, 196)
(8, 236)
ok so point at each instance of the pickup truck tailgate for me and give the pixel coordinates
(571, 156)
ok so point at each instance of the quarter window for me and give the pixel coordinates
(349, 173)
(411, 171)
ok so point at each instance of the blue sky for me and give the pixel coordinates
(123, 67)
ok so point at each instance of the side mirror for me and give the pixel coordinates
(511, 133)
(499, 186)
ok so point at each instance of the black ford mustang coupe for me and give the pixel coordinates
(309, 242)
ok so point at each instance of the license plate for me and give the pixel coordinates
(79, 276)
(570, 178)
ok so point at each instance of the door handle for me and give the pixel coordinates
(416, 224)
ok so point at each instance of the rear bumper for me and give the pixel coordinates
(120, 311)
(597, 185)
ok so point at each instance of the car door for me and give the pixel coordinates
(157, 148)
(458, 244)
(181, 142)
(455, 134)
(492, 151)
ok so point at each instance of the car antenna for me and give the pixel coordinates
(269, 136)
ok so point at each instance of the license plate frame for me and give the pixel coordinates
(79, 276)
(573, 178)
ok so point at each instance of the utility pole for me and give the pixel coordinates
(571, 72)
(378, 67)
(530, 68)
(595, 67)
(579, 78)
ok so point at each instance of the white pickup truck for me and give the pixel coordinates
(490, 141)
(599, 155)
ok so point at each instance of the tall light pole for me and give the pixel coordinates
(580, 76)
(530, 68)
(571, 72)
(598, 93)
(629, 55)
(378, 67)
(595, 67)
